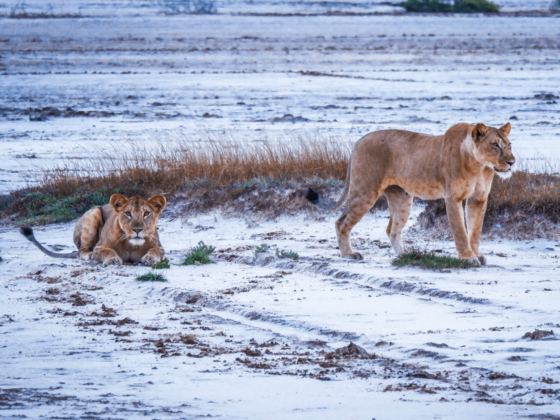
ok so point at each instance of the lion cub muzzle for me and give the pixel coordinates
(137, 240)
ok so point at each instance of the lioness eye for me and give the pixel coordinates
(146, 214)
(495, 145)
(128, 214)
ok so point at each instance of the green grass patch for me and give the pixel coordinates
(458, 6)
(261, 249)
(49, 204)
(475, 6)
(162, 264)
(199, 255)
(151, 277)
(43, 207)
(287, 254)
(429, 260)
(427, 6)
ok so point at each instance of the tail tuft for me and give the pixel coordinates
(26, 231)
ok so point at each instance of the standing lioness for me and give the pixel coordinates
(401, 165)
(123, 230)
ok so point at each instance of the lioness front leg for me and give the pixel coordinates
(153, 256)
(475, 218)
(106, 255)
(455, 216)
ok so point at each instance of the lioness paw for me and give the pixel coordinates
(354, 256)
(150, 259)
(472, 260)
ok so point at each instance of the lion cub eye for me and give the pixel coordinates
(146, 214)
(128, 214)
(496, 146)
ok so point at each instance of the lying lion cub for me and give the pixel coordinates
(400, 164)
(123, 230)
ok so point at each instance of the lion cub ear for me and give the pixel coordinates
(506, 129)
(158, 202)
(479, 131)
(118, 202)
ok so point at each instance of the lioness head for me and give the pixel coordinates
(493, 148)
(138, 217)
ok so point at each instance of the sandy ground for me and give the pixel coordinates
(254, 336)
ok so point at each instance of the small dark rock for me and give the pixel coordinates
(288, 118)
(350, 351)
(516, 359)
(312, 195)
(538, 334)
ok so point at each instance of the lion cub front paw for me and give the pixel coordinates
(149, 259)
(113, 260)
(86, 256)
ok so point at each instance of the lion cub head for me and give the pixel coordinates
(138, 217)
(493, 148)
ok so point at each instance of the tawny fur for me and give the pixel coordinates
(128, 234)
(401, 165)
(123, 230)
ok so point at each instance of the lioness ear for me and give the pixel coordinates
(479, 131)
(158, 202)
(506, 129)
(118, 202)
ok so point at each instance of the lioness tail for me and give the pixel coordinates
(344, 196)
(28, 233)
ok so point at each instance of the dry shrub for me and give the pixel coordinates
(524, 206)
(270, 200)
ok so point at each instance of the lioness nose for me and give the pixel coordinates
(511, 162)
(138, 230)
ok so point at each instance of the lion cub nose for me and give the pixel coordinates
(138, 230)
(511, 162)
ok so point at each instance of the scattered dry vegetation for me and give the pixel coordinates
(259, 177)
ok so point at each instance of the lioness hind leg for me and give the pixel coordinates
(86, 232)
(400, 204)
(355, 210)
